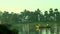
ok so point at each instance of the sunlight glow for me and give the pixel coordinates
(19, 5)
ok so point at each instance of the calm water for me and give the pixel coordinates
(44, 31)
(27, 29)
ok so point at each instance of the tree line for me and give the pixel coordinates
(30, 16)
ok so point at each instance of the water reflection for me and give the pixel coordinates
(30, 29)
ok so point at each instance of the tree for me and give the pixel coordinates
(37, 14)
(51, 15)
(24, 16)
(40, 15)
(57, 15)
(46, 16)
(1, 16)
(31, 17)
(15, 18)
(5, 17)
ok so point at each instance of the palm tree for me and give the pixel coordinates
(46, 16)
(37, 15)
(24, 16)
(57, 15)
(51, 15)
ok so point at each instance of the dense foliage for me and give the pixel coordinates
(5, 30)
(30, 16)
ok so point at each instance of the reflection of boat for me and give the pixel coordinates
(38, 26)
(45, 27)
(39, 29)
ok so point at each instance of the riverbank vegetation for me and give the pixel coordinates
(53, 15)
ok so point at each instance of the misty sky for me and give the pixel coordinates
(19, 5)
